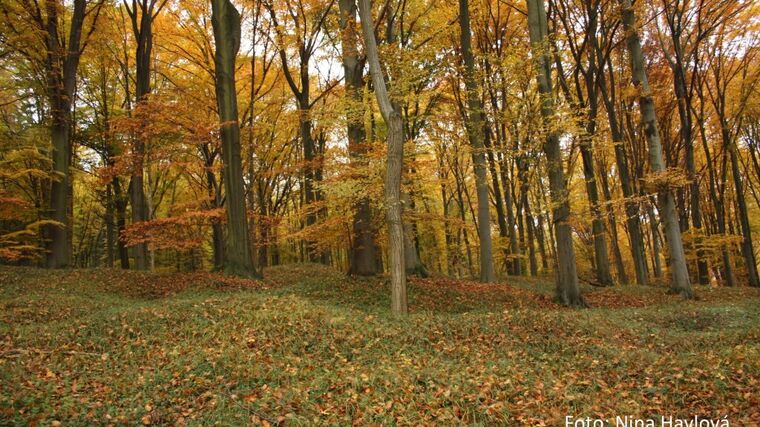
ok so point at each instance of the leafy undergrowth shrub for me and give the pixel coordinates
(310, 346)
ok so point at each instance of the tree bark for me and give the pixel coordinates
(363, 251)
(515, 264)
(681, 283)
(226, 22)
(614, 239)
(474, 124)
(632, 209)
(741, 204)
(142, 13)
(684, 97)
(110, 232)
(394, 167)
(501, 219)
(567, 289)
(61, 64)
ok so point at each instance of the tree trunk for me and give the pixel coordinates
(501, 219)
(474, 124)
(522, 172)
(309, 159)
(142, 26)
(684, 98)
(542, 238)
(61, 64)
(226, 22)
(363, 253)
(394, 165)
(717, 194)
(567, 289)
(412, 262)
(514, 264)
(656, 246)
(632, 210)
(217, 231)
(108, 219)
(120, 204)
(601, 257)
(614, 239)
(741, 203)
(679, 271)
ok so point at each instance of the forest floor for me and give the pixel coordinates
(310, 346)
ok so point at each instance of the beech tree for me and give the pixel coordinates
(568, 291)
(680, 282)
(363, 258)
(226, 22)
(56, 53)
(142, 13)
(474, 124)
(394, 165)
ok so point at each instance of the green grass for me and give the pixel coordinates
(310, 346)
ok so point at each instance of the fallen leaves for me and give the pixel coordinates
(315, 347)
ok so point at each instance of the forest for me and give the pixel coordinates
(474, 212)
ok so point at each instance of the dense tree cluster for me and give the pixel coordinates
(602, 141)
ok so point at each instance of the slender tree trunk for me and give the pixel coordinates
(226, 22)
(217, 231)
(447, 229)
(542, 238)
(394, 165)
(362, 259)
(474, 124)
(656, 245)
(501, 219)
(601, 257)
(685, 117)
(741, 203)
(681, 283)
(522, 172)
(619, 265)
(412, 261)
(120, 204)
(632, 209)
(142, 15)
(515, 263)
(533, 262)
(568, 291)
(108, 219)
(716, 195)
(522, 168)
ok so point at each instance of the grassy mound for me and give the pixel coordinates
(310, 346)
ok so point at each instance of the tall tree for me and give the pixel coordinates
(731, 71)
(57, 57)
(142, 13)
(226, 22)
(61, 66)
(394, 166)
(585, 103)
(362, 260)
(689, 25)
(475, 129)
(632, 208)
(308, 23)
(567, 288)
(680, 283)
